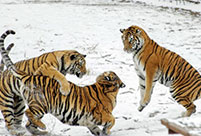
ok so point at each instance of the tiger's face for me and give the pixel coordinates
(133, 38)
(110, 79)
(74, 63)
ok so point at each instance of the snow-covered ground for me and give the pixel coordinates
(93, 29)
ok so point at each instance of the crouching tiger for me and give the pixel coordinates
(55, 64)
(88, 106)
(155, 63)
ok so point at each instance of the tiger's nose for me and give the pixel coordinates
(122, 85)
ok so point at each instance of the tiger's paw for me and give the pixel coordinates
(21, 130)
(143, 104)
(140, 108)
(95, 130)
(34, 129)
(102, 134)
(16, 132)
(65, 89)
(39, 124)
(188, 113)
(105, 132)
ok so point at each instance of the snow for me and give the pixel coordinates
(92, 28)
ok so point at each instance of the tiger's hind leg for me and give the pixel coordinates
(19, 107)
(8, 114)
(9, 120)
(190, 107)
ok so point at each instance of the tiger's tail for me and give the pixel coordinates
(10, 46)
(6, 59)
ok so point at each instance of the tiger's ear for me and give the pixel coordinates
(122, 30)
(84, 55)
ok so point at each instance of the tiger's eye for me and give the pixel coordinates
(138, 31)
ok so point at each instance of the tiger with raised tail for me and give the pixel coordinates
(88, 106)
(55, 64)
(155, 63)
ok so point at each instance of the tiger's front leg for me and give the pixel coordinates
(149, 85)
(109, 122)
(33, 129)
(34, 119)
(34, 122)
(48, 70)
(142, 89)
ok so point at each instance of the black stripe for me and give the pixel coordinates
(69, 116)
(5, 92)
(89, 90)
(75, 121)
(62, 64)
(20, 112)
(82, 113)
(80, 96)
(97, 92)
(156, 48)
(32, 62)
(141, 77)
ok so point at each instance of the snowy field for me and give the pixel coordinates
(93, 29)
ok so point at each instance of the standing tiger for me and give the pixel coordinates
(54, 64)
(88, 106)
(155, 63)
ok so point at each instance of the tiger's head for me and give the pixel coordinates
(110, 79)
(133, 38)
(73, 62)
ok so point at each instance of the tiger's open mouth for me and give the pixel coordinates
(79, 74)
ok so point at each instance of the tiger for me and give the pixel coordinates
(155, 63)
(89, 106)
(55, 64)
(58, 63)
